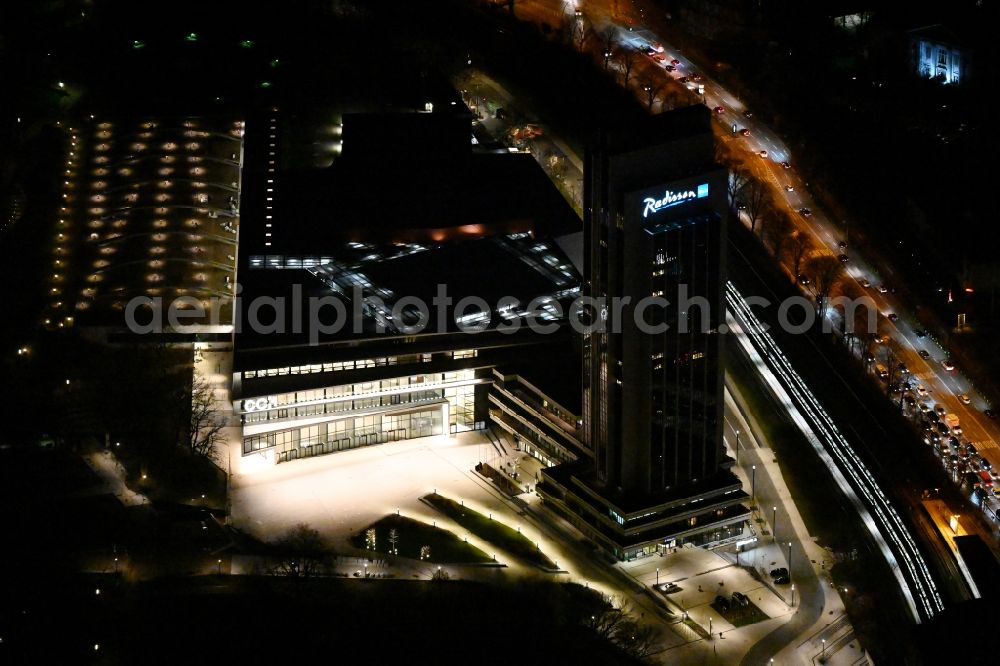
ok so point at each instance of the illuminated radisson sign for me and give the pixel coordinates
(673, 199)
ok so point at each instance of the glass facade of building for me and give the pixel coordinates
(386, 398)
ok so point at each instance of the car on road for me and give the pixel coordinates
(669, 68)
(842, 245)
(786, 165)
(923, 406)
(920, 332)
(803, 279)
(675, 62)
(719, 109)
(805, 212)
(924, 354)
(940, 409)
(843, 258)
(921, 389)
(965, 398)
(683, 79)
(789, 188)
(892, 316)
(882, 289)
(902, 369)
(866, 284)
(763, 153)
(880, 339)
(745, 132)
(989, 413)
(948, 365)
(748, 114)
(696, 77)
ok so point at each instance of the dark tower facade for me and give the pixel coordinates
(653, 375)
(655, 205)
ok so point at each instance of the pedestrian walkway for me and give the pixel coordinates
(784, 541)
(112, 476)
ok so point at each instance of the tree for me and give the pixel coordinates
(800, 248)
(824, 270)
(776, 231)
(608, 45)
(204, 428)
(651, 88)
(581, 33)
(393, 541)
(627, 59)
(757, 200)
(636, 640)
(301, 552)
(737, 179)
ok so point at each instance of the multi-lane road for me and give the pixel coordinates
(635, 29)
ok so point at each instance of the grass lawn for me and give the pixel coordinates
(495, 532)
(445, 547)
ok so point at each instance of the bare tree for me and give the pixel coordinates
(800, 248)
(607, 622)
(204, 429)
(301, 552)
(651, 88)
(824, 270)
(776, 231)
(737, 179)
(757, 200)
(581, 34)
(636, 640)
(627, 58)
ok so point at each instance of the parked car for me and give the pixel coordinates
(763, 153)
(786, 165)
(965, 398)
(780, 571)
(843, 258)
(721, 602)
(782, 580)
(924, 354)
(720, 109)
(948, 365)
(805, 212)
(741, 599)
(989, 413)
(866, 284)
(882, 289)
(745, 132)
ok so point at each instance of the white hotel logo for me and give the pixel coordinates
(673, 199)
(258, 404)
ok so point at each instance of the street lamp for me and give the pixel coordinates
(823, 656)
(753, 485)
(789, 556)
(793, 594)
(657, 575)
(737, 446)
(774, 522)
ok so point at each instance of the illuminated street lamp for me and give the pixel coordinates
(753, 485)
(774, 522)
